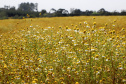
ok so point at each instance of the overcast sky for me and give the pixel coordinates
(109, 5)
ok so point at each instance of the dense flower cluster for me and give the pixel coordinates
(79, 54)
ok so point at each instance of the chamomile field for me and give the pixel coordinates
(63, 50)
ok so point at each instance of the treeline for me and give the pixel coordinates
(31, 10)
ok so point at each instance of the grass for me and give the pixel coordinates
(65, 50)
(14, 24)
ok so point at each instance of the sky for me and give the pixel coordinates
(94, 5)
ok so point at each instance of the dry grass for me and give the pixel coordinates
(11, 24)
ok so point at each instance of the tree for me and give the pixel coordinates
(102, 11)
(12, 8)
(65, 12)
(115, 13)
(52, 13)
(59, 12)
(94, 13)
(72, 10)
(11, 12)
(43, 11)
(27, 6)
(75, 11)
(123, 12)
(52, 10)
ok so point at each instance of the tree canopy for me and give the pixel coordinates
(27, 6)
